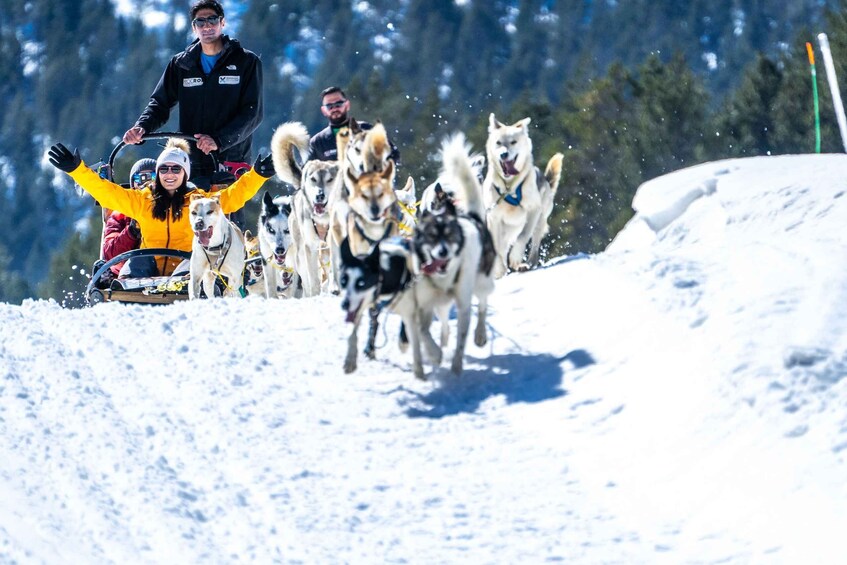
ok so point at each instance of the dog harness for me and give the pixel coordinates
(394, 276)
(508, 198)
(412, 212)
(361, 231)
(222, 251)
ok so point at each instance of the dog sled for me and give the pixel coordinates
(145, 290)
(164, 289)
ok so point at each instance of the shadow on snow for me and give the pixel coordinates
(518, 377)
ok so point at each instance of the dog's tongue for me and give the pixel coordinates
(319, 209)
(508, 168)
(351, 316)
(204, 236)
(434, 266)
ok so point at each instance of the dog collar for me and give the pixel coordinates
(362, 233)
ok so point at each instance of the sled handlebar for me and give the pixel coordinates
(160, 135)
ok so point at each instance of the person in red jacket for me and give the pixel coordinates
(122, 233)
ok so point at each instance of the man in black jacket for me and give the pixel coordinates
(335, 107)
(218, 86)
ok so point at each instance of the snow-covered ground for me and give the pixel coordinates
(679, 398)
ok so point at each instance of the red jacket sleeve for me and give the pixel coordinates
(117, 238)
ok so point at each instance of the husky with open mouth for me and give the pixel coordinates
(455, 254)
(518, 197)
(254, 269)
(315, 182)
(217, 251)
(274, 233)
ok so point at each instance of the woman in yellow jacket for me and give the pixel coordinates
(161, 210)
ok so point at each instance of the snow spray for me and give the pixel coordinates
(833, 87)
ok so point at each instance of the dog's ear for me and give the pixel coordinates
(373, 259)
(347, 257)
(409, 186)
(388, 173)
(247, 235)
(493, 124)
(354, 126)
(438, 190)
(286, 207)
(195, 196)
(267, 200)
(351, 177)
(524, 123)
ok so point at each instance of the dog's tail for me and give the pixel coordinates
(288, 137)
(553, 172)
(458, 164)
(375, 149)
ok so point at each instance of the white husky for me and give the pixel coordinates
(518, 198)
(217, 251)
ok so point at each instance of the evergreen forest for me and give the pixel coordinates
(626, 89)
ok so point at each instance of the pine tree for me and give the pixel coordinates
(601, 170)
(670, 116)
(746, 125)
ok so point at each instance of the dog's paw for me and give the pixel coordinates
(418, 371)
(370, 352)
(480, 338)
(349, 365)
(456, 366)
(521, 267)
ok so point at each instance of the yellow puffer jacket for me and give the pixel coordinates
(170, 233)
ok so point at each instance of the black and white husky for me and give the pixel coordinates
(274, 235)
(383, 279)
(454, 251)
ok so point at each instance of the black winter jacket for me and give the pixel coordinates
(226, 104)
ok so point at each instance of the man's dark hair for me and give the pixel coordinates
(211, 4)
(332, 90)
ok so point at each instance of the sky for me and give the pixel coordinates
(678, 398)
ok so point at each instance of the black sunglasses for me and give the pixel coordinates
(175, 169)
(202, 22)
(334, 105)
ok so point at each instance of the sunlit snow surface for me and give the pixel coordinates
(679, 398)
